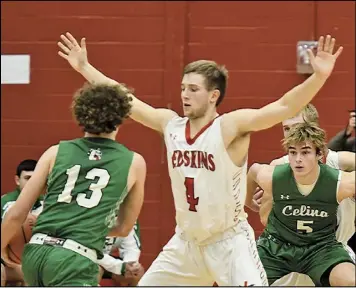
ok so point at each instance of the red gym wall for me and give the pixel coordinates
(146, 45)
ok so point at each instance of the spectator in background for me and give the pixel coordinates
(344, 141)
(24, 172)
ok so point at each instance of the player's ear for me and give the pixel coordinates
(17, 180)
(215, 96)
(319, 155)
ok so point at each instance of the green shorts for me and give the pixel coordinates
(45, 265)
(315, 260)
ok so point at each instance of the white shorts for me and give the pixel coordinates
(297, 279)
(233, 261)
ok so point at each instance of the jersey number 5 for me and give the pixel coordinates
(95, 188)
(304, 226)
(189, 191)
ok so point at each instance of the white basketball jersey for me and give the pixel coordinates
(209, 190)
(346, 209)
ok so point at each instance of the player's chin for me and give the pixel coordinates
(188, 113)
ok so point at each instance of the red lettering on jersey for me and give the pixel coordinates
(211, 162)
(204, 160)
(193, 159)
(174, 158)
(186, 158)
(192, 163)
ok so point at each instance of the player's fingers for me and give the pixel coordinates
(63, 47)
(320, 44)
(327, 43)
(67, 42)
(258, 194)
(311, 55)
(83, 44)
(331, 46)
(72, 39)
(65, 56)
(338, 52)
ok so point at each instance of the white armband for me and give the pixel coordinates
(111, 264)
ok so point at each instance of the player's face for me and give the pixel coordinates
(303, 158)
(195, 96)
(287, 124)
(22, 180)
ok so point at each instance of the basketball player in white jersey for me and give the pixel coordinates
(342, 160)
(207, 159)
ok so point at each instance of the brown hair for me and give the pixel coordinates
(310, 114)
(101, 108)
(306, 132)
(215, 75)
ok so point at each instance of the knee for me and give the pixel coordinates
(342, 274)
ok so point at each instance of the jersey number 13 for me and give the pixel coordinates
(95, 188)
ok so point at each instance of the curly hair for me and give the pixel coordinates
(306, 132)
(216, 76)
(101, 108)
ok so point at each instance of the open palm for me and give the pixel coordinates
(324, 61)
(71, 51)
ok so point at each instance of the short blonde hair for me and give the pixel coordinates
(306, 132)
(310, 114)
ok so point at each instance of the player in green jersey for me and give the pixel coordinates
(342, 160)
(24, 171)
(303, 197)
(95, 188)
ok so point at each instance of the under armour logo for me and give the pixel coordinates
(285, 197)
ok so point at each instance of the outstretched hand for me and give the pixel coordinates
(74, 53)
(324, 61)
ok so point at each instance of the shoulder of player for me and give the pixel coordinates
(138, 162)
(166, 116)
(174, 121)
(278, 161)
(262, 171)
(51, 152)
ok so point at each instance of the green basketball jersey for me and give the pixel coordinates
(85, 189)
(303, 220)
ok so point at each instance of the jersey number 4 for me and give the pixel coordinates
(95, 188)
(189, 191)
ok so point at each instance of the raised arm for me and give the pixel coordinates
(76, 55)
(249, 120)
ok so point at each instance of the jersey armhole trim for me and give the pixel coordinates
(337, 187)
